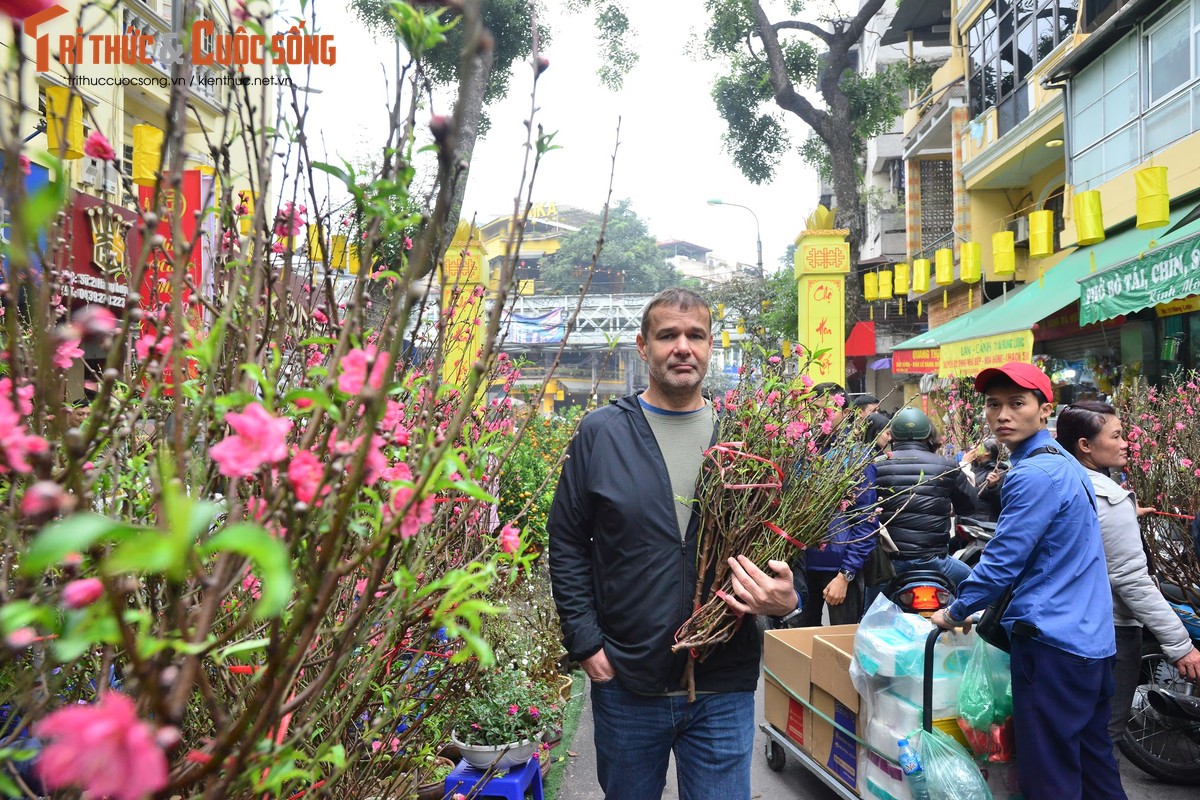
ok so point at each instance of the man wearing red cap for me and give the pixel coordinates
(1048, 550)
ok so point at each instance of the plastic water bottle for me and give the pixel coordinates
(910, 764)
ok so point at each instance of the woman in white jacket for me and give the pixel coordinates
(1091, 431)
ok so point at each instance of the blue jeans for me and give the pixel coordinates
(712, 738)
(952, 568)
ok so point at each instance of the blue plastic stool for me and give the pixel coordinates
(512, 784)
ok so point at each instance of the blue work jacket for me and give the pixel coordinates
(1048, 548)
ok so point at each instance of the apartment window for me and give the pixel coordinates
(1139, 97)
(1168, 54)
(1005, 45)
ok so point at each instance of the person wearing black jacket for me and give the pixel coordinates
(623, 533)
(919, 491)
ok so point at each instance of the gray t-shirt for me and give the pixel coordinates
(682, 437)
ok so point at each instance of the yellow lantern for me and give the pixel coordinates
(316, 251)
(1089, 217)
(1004, 254)
(725, 339)
(900, 279)
(920, 276)
(1153, 201)
(741, 326)
(64, 122)
(885, 284)
(870, 286)
(943, 261)
(1041, 234)
(720, 311)
(147, 154)
(970, 268)
(338, 261)
(355, 262)
(786, 350)
(970, 265)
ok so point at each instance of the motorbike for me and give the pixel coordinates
(972, 535)
(1162, 737)
(921, 591)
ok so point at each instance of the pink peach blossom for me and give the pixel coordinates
(510, 538)
(97, 146)
(25, 164)
(306, 472)
(103, 749)
(354, 369)
(258, 439)
(66, 352)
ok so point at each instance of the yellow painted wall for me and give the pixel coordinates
(946, 76)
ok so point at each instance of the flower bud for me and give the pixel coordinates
(82, 593)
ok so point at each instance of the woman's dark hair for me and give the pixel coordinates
(992, 448)
(1082, 420)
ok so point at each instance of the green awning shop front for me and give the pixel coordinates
(919, 355)
(1144, 272)
(1002, 330)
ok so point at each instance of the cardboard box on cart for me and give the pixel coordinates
(787, 660)
(834, 696)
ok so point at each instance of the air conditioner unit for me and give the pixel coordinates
(1020, 230)
(93, 172)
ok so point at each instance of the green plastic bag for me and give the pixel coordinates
(985, 696)
(950, 772)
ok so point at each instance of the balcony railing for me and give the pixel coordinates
(147, 23)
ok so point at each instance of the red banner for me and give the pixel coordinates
(157, 281)
(922, 362)
(184, 206)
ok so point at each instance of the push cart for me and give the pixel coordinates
(779, 746)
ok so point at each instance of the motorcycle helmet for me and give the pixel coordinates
(911, 425)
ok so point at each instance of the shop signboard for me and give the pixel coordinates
(1184, 305)
(1159, 276)
(918, 362)
(102, 239)
(961, 359)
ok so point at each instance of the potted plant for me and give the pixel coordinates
(503, 718)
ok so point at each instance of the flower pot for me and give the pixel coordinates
(504, 756)
(435, 790)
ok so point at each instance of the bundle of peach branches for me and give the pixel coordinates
(782, 468)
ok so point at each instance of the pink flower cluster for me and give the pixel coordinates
(103, 749)
(258, 439)
(16, 443)
(354, 369)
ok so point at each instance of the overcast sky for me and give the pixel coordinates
(671, 158)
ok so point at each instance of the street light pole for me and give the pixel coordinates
(757, 230)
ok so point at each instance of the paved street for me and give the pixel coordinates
(793, 781)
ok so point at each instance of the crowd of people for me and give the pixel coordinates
(1066, 561)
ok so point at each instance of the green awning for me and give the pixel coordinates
(1020, 309)
(1137, 272)
(932, 337)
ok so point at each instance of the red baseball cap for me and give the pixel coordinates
(1020, 373)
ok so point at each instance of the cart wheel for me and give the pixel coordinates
(776, 757)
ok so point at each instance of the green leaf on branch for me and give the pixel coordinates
(75, 534)
(271, 563)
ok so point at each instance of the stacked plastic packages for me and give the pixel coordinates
(888, 672)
